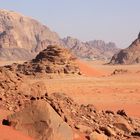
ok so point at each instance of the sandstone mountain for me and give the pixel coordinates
(130, 55)
(96, 49)
(21, 38)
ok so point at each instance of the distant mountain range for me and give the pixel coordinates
(21, 38)
(96, 49)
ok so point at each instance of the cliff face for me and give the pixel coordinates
(96, 49)
(22, 34)
(130, 55)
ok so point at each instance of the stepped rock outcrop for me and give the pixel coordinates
(130, 55)
(54, 59)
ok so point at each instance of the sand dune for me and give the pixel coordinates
(88, 70)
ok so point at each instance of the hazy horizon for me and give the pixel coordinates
(111, 21)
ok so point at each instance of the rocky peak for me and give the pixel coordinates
(130, 55)
(96, 49)
(71, 42)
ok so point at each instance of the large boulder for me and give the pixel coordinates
(97, 136)
(41, 122)
(123, 125)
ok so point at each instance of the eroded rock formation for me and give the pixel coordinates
(54, 59)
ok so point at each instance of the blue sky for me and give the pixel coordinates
(109, 20)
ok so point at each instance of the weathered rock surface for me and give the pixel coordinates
(130, 55)
(97, 136)
(54, 59)
(41, 122)
(87, 119)
(16, 91)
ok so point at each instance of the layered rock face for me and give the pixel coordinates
(130, 55)
(96, 49)
(54, 59)
(21, 37)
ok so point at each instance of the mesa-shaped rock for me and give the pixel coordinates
(53, 59)
(130, 55)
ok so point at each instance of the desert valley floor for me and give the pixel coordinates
(98, 86)
(107, 87)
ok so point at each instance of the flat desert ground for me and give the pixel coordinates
(98, 87)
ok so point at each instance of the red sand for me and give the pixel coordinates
(7, 133)
(88, 70)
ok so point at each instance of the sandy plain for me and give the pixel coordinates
(96, 86)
